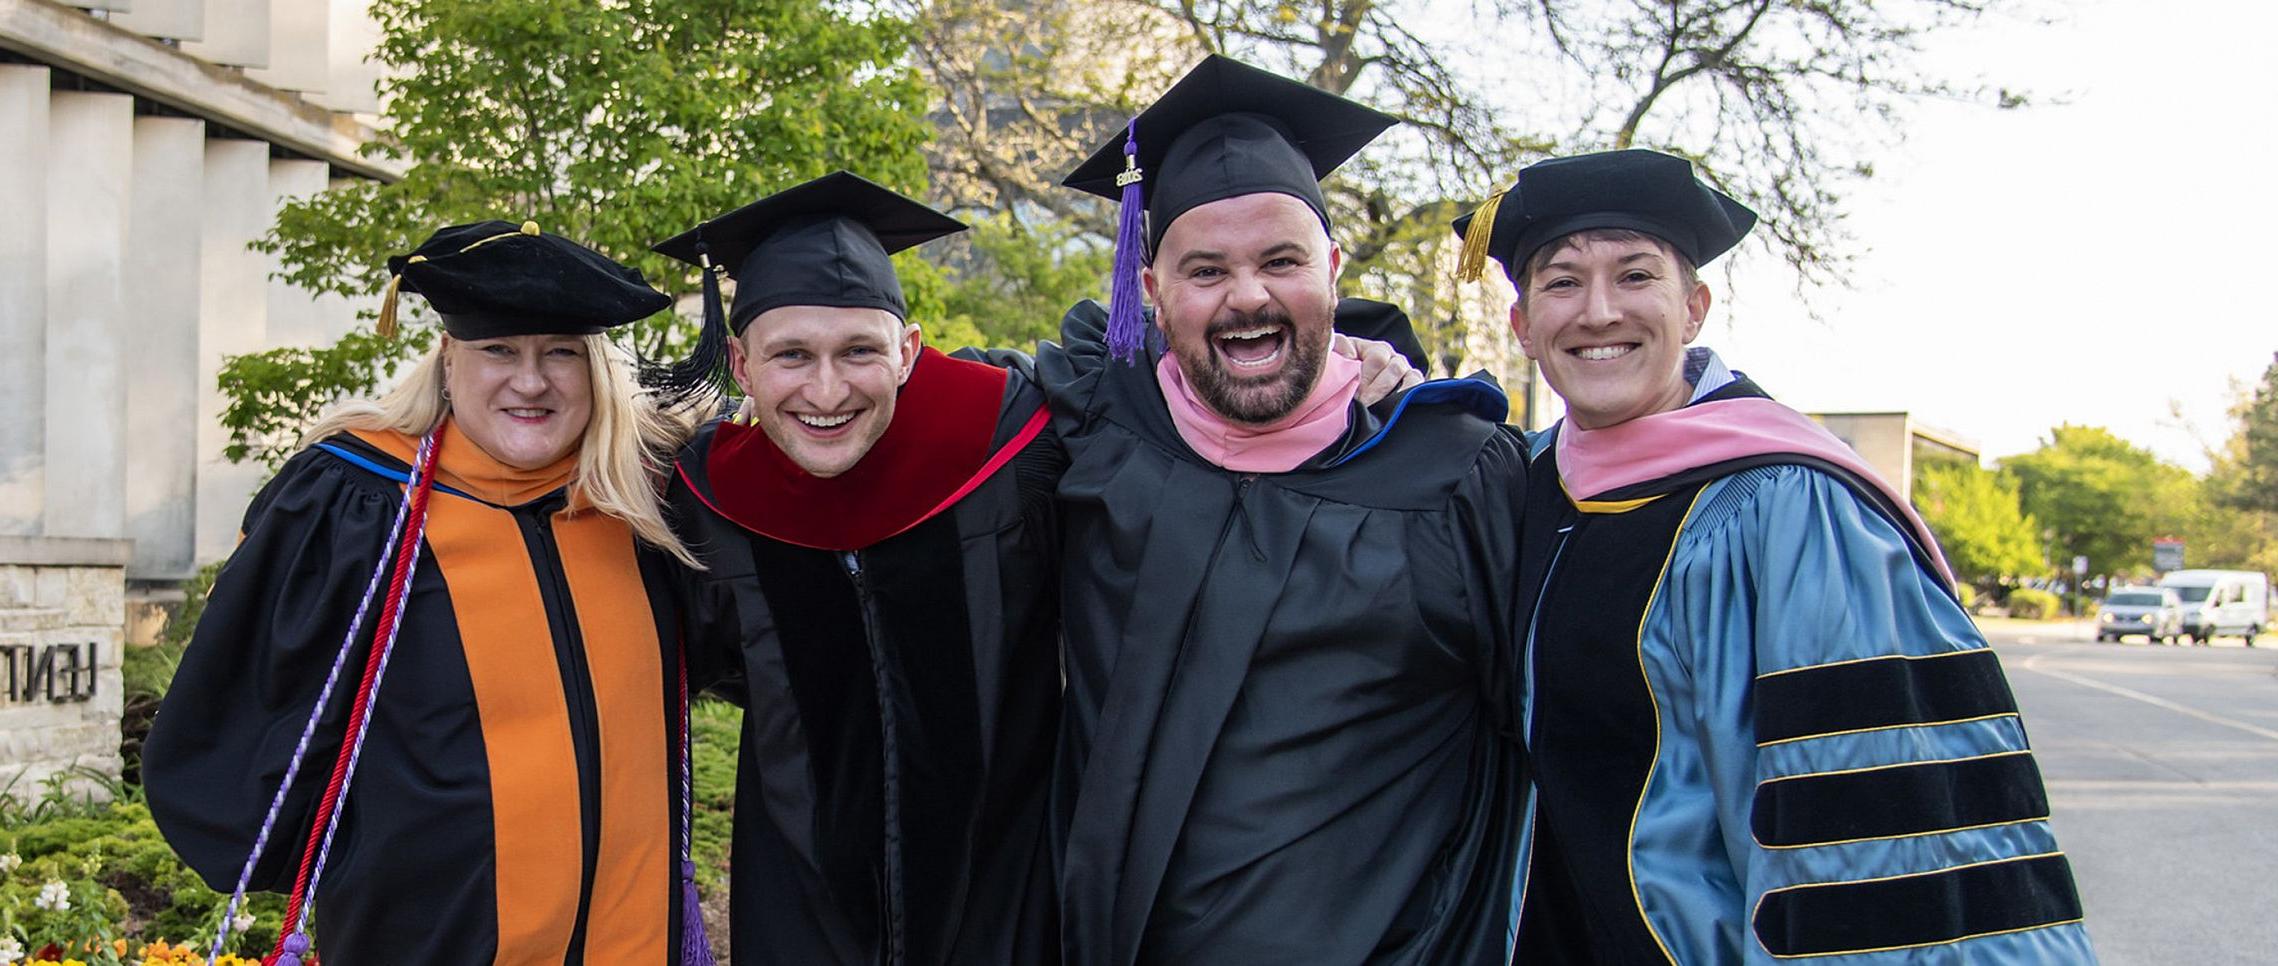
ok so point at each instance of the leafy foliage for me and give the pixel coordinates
(613, 122)
(2249, 470)
(1977, 518)
(2234, 523)
(1004, 283)
(274, 394)
(1785, 103)
(2034, 605)
(118, 873)
(717, 728)
(2098, 496)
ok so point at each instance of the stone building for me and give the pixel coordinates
(1896, 444)
(143, 145)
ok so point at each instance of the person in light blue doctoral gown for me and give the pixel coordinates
(1759, 726)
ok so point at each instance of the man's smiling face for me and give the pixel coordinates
(1245, 290)
(823, 379)
(1608, 317)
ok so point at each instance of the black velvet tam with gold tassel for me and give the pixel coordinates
(493, 279)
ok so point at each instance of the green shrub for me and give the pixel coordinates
(716, 726)
(123, 878)
(1968, 595)
(146, 672)
(2033, 605)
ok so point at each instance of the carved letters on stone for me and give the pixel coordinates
(55, 673)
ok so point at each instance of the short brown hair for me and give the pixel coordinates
(1687, 272)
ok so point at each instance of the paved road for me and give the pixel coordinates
(2162, 765)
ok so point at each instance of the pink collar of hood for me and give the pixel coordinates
(1275, 447)
(1592, 462)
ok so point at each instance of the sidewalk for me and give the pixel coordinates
(2080, 630)
(2025, 631)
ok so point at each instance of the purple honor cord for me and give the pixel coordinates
(323, 698)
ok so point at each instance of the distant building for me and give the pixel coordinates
(143, 144)
(1894, 444)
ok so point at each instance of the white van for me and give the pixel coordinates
(2222, 603)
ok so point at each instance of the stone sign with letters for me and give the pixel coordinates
(62, 614)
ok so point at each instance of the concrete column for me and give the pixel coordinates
(90, 162)
(353, 86)
(165, 19)
(236, 34)
(23, 297)
(233, 312)
(300, 46)
(162, 264)
(296, 318)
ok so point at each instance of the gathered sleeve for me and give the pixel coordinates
(1874, 786)
(271, 630)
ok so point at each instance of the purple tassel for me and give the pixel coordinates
(1126, 329)
(296, 946)
(695, 946)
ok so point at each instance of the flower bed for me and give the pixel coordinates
(92, 882)
(159, 953)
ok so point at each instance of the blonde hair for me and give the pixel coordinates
(622, 458)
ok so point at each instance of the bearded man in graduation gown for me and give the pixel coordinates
(1759, 725)
(878, 530)
(1286, 611)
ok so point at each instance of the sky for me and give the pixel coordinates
(2097, 260)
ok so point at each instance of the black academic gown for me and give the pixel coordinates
(514, 800)
(901, 697)
(1285, 737)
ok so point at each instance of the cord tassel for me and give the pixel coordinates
(1472, 265)
(695, 945)
(386, 326)
(292, 936)
(675, 383)
(1126, 326)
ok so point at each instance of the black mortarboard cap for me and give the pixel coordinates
(823, 242)
(1383, 322)
(1228, 129)
(494, 278)
(1636, 189)
(1224, 130)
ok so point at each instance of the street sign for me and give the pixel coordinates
(2166, 554)
(2080, 566)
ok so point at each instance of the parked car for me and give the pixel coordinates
(2155, 612)
(2226, 603)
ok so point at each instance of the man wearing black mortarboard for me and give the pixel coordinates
(1288, 613)
(1760, 726)
(878, 529)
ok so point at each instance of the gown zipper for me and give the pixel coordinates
(896, 941)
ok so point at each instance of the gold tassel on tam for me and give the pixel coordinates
(386, 326)
(1473, 263)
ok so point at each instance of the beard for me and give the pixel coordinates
(1254, 399)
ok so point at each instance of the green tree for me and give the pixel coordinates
(2234, 523)
(613, 122)
(1979, 522)
(2100, 497)
(2249, 466)
(1785, 103)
